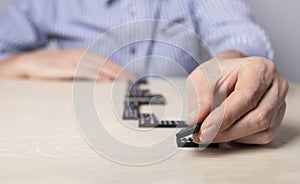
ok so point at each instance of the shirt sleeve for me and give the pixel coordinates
(227, 25)
(20, 30)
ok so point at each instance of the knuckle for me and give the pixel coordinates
(251, 99)
(270, 65)
(264, 64)
(262, 120)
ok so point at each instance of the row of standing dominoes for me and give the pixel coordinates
(137, 97)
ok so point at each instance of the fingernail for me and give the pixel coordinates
(192, 117)
(208, 133)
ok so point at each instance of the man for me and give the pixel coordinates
(254, 106)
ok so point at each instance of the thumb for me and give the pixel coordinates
(199, 96)
(208, 86)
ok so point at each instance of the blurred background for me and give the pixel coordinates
(281, 21)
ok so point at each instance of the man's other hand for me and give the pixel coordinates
(62, 65)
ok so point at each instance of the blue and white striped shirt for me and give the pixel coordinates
(224, 25)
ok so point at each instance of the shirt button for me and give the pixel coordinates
(132, 10)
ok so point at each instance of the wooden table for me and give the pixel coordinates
(41, 143)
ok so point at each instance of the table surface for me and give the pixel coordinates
(40, 141)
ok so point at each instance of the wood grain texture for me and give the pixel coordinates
(41, 143)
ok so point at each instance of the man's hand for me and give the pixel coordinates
(241, 100)
(62, 65)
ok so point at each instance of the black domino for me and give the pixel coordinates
(187, 142)
(151, 122)
(137, 97)
(147, 120)
(188, 131)
(184, 139)
(131, 110)
(171, 124)
(134, 90)
(142, 81)
(153, 99)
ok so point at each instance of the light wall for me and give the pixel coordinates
(2, 3)
(281, 20)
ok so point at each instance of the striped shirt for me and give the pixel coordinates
(223, 25)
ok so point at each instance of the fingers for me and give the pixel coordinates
(259, 118)
(254, 122)
(209, 85)
(266, 136)
(254, 78)
(200, 97)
